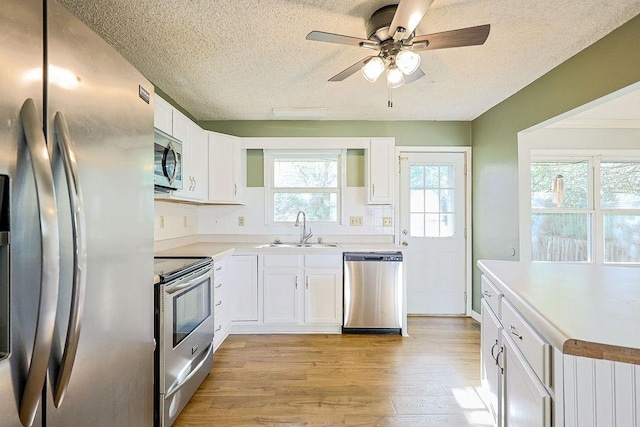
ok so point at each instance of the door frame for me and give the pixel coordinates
(466, 150)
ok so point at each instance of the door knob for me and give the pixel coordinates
(405, 232)
(405, 243)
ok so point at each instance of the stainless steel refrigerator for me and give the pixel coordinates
(76, 225)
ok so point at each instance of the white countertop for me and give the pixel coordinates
(584, 310)
(219, 250)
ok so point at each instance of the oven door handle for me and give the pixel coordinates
(188, 284)
(178, 385)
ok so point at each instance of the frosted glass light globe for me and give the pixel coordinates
(372, 69)
(395, 77)
(407, 61)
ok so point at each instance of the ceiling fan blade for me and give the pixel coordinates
(471, 36)
(408, 15)
(417, 74)
(320, 36)
(351, 70)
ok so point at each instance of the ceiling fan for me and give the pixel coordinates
(390, 31)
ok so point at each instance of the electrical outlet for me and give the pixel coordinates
(161, 221)
(386, 221)
(355, 220)
(241, 221)
(184, 221)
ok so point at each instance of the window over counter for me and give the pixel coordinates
(585, 209)
(309, 180)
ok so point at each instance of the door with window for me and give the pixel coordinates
(432, 227)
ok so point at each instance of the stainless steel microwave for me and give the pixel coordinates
(167, 163)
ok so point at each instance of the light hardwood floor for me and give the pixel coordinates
(430, 378)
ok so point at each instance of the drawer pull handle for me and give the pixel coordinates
(219, 286)
(218, 328)
(498, 360)
(492, 349)
(486, 294)
(219, 303)
(514, 332)
(219, 268)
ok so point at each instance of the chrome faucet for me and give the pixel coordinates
(304, 237)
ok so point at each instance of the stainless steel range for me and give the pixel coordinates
(183, 331)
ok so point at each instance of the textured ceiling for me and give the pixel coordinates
(238, 59)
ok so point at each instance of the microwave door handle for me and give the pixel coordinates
(79, 284)
(50, 261)
(189, 284)
(164, 162)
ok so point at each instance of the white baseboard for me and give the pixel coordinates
(475, 316)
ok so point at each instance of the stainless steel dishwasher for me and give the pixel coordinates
(372, 292)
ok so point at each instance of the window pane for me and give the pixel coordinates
(560, 237)
(416, 225)
(317, 206)
(446, 225)
(416, 204)
(432, 201)
(318, 173)
(416, 174)
(432, 225)
(560, 184)
(432, 176)
(446, 201)
(446, 176)
(622, 238)
(620, 185)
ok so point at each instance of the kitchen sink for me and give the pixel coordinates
(300, 245)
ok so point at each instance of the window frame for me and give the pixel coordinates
(270, 155)
(597, 213)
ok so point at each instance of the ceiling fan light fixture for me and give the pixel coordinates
(395, 77)
(407, 61)
(372, 69)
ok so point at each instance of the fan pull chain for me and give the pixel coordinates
(390, 100)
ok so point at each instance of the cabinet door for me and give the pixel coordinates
(281, 295)
(199, 164)
(245, 288)
(182, 132)
(323, 296)
(526, 402)
(224, 168)
(380, 171)
(163, 115)
(490, 372)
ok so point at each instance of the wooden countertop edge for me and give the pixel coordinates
(601, 351)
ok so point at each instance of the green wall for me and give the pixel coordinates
(405, 132)
(606, 66)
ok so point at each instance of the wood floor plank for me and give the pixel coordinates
(429, 378)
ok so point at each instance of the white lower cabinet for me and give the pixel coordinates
(517, 380)
(490, 369)
(526, 402)
(245, 288)
(221, 312)
(302, 289)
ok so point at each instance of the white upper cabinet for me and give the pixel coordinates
(225, 169)
(182, 132)
(380, 171)
(163, 116)
(196, 176)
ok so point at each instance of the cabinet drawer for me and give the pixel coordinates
(281, 261)
(534, 348)
(492, 296)
(330, 261)
(219, 267)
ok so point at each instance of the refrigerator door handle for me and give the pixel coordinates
(50, 261)
(79, 285)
